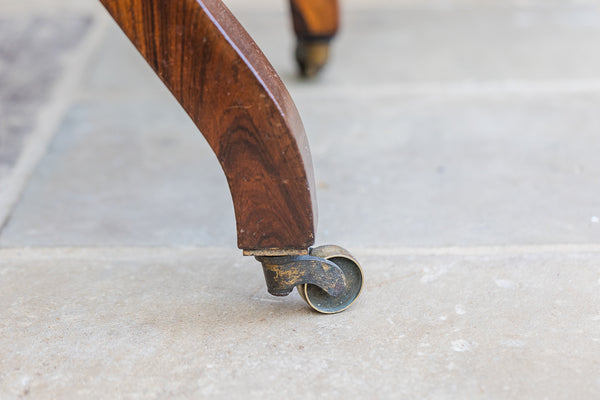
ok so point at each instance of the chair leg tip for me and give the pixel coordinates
(311, 57)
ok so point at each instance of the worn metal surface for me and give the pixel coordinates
(282, 274)
(275, 252)
(322, 301)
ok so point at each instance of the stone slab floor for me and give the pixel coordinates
(456, 146)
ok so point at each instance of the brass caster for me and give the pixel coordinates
(329, 279)
(321, 301)
(311, 56)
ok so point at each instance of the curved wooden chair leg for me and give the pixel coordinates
(315, 23)
(237, 100)
(231, 92)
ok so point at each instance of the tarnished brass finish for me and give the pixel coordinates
(329, 279)
(284, 273)
(322, 301)
(312, 56)
(275, 252)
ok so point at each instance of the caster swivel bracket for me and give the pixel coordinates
(284, 273)
(329, 278)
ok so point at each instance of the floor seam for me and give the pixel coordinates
(456, 88)
(145, 252)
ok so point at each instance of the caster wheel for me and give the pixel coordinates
(322, 302)
(311, 57)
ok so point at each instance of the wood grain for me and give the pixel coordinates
(234, 96)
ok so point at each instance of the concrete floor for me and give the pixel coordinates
(456, 151)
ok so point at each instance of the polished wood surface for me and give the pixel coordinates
(315, 19)
(234, 96)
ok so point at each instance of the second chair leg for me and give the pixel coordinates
(315, 23)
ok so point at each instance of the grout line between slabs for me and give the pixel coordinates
(464, 88)
(161, 253)
(481, 250)
(49, 118)
(380, 90)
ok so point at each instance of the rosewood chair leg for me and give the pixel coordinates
(239, 103)
(315, 23)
